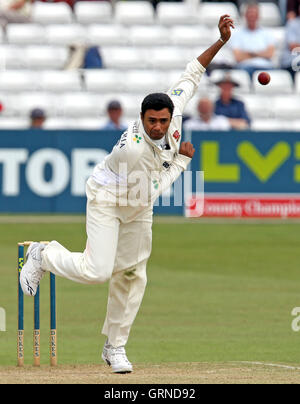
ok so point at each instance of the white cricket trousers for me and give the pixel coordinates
(115, 251)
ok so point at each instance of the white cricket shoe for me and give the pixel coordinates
(116, 358)
(32, 271)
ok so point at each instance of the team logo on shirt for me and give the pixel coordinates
(166, 165)
(137, 138)
(155, 184)
(177, 92)
(176, 136)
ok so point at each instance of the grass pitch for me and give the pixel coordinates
(218, 296)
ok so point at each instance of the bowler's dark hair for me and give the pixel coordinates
(157, 101)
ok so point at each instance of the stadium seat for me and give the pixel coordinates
(25, 34)
(60, 81)
(169, 57)
(51, 13)
(84, 123)
(143, 81)
(286, 106)
(25, 102)
(14, 123)
(294, 125)
(272, 125)
(134, 12)
(98, 80)
(131, 103)
(125, 57)
(171, 77)
(209, 13)
(18, 80)
(2, 37)
(258, 106)
(81, 104)
(46, 57)
(278, 33)
(64, 35)
(60, 123)
(90, 123)
(151, 35)
(240, 76)
(109, 34)
(281, 82)
(270, 15)
(173, 13)
(184, 35)
(12, 57)
(93, 12)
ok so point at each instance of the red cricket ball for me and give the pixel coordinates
(264, 78)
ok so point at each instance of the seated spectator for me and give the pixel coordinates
(82, 56)
(292, 9)
(15, 11)
(114, 112)
(38, 118)
(290, 54)
(227, 105)
(253, 46)
(207, 120)
(92, 58)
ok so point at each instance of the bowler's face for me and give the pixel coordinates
(156, 123)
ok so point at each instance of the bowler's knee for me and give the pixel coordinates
(97, 272)
(97, 276)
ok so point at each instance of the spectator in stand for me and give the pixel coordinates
(291, 52)
(38, 118)
(207, 119)
(292, 9)
(114, 112)
(227, 105)
(253, 46)
(15, 11)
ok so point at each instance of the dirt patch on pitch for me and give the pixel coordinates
(174, 373)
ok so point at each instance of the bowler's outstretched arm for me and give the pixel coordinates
(225, 25)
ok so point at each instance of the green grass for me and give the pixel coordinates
(216, 292)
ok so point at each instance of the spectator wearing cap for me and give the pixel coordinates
(227, 105)
(38, 118)
(207, 120)
(114, 112)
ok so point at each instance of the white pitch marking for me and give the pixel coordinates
(276, 365)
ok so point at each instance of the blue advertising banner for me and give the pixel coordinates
(46, 171)
(248, 162)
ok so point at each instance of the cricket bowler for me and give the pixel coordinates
(121, 192)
